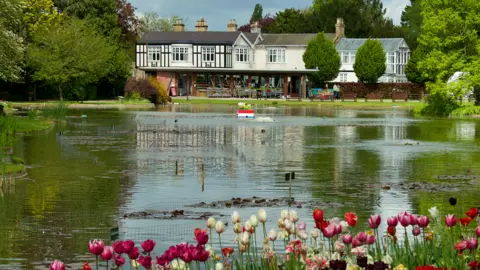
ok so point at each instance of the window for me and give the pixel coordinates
(390, 62)
(154, 53)
(208, 54)
(345, 58)
(180, 54)
(242, 55)
(276, 55)
(343, 77)
(352, 58)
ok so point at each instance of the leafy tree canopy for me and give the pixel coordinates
(266, 24)
(322, 54)
(257, 14)
(370, 61)
(39, 13)
(11, 41)
(152, 22)
(411, 23)
(290, 21)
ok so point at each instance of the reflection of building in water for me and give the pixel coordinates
(345, 152)
(395, 133)
(465, 131)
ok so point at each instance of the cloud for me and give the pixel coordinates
(217, 13)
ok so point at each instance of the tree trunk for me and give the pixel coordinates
(476, 95)
(60, 93)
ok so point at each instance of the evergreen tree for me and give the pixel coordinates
(322, 54)
(257, 14)
(370, 61)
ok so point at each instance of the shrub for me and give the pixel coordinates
(321, 54)
(370, 61)
(162, 96)
(362, 89)
(466, 111)
(143, 88)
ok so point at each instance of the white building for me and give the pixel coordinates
(189, 63)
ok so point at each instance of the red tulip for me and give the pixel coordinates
(317, 215)
(148, 245)
(201, 236)
(391, 231)
(356, 242)
(465, 221)
(374, 221)
(119, 260)
(477, 231)
(473, 212)
(392, 221)
(330, 231)
(96, 247)
(107, 253)
(423, 221)
(128, 246)
(450, 220)
(118, 247)
(162, 261)
(145, 261)
(416, 231)
(460, 246)
(370, 239)
(227, 251)
(362, 236)
(404, 219)
(57, 265)
(472, 243)
(347, 239)
(134, 253)
(351, 219)
(86, 266)
(413, 220)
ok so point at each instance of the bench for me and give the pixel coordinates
(349, 95)
(374, 96)
(400, 96)
(218, 93)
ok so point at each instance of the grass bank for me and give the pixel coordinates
(281, 102)
(14, 168)
(25, 124)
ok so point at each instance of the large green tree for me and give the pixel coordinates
(39, 13)
(257, 14)
(150, 21)
(11, 40)
(413, 73)
(69, 55)
(370, 61)
(411, 23)
(322, 54)
(290, 21)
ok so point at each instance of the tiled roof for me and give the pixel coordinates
(189, 38)
(289, 39)
(251, 37)
(352, 44)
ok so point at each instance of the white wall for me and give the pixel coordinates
(242, 43)
(293, 59)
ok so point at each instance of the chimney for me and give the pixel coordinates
(179, 26)
(255, 28)
(232, 26)
(201, 25)
(340, 29)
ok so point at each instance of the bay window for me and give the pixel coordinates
(154, 53)
(180, 54)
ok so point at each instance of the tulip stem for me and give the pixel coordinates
(220, 241)
(96, 261)
(107, 265)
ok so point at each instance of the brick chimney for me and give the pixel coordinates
(201, 25)
(255, 28)
(340, 29)
(232, 25)
(179, 26)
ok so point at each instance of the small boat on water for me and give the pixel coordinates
(245, 111)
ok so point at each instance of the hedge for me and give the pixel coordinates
(362, 89)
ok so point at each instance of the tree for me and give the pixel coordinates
(411, 23)
(370, 61)
(151, 22)
(289, 21)
(322, 54)
(39, 13)
(127, 21)
(69, 54)
(257, 14)
(412, 71)
(11, 42)
(266, 23)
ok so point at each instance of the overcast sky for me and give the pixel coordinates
(218, 12)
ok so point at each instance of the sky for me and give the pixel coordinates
(217, 13)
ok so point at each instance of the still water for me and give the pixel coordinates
(84, 176)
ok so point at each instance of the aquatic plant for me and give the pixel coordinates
(57, 112)
(433, 243)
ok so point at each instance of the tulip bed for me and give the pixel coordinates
(428, 243)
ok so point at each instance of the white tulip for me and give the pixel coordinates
(211, 223)
(302, 234)
(235, 217)
(219, 227)
(254, 221)
(237, 228)
(344, 225)
(288, 225)
(272, 235)
(262, 216)
(245, 238)
(281, 223)
(178, 264)
(434, 212)
(293, 216)
(335, 220)
(284, 214)
(219, 266)
(248, 226)
(314, 234)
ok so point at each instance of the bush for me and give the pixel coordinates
(362, 89)
(321, 54)
(162, 96)
(370, 61)
(466, 111)
(142, 88)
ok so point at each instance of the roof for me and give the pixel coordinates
(209, 37)
(252, 37)
(290, 39)
(352, 44)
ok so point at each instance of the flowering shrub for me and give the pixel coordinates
(244, 106)
(429, 243)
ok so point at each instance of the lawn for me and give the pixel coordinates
(25, 124)
(13, 168)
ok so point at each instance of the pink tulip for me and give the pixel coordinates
(107, 253)
(472, 243)
(460, 246)
(128, 246)
(423, 221)
(392, 221)
(347, 239)
(119, 260)
(338, 229)
(118, 247)
(96, 247)
(145, 261)
(374, 221)
(370, 239)
(401, 214)
(362, 236)
(404, 219)
(413, 220)
(477, 231)
(330, 231)
(134, 253)
(356, 242)
(301, 226)
(416, 231)
(450, 220)
(148, 245)
(57, 265)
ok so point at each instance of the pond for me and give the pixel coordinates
(113, 167)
